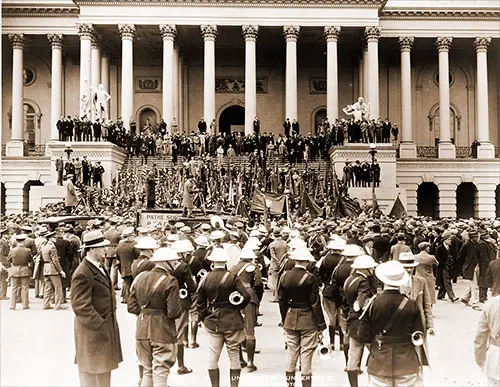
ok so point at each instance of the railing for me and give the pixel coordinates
(463, 152)
(427, 152)
(29, 150)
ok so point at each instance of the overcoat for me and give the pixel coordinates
(425, 271)
(97, 338)
(126, 253)
(487, 254)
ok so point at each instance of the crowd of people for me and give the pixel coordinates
(370, 279)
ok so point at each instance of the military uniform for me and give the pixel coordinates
(20, 259)
(302, 319)
(141, 264)
(52, 276)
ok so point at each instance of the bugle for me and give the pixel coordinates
(324, 351)
(183, 293)
(202, 273)
(235, 298)
(417, 338)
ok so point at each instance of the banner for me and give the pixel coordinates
(274, 203)
(398, 209)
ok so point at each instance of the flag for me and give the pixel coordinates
(307, 203)
(398, 209)
(374, 201)
(262, 201)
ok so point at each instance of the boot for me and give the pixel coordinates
(194, 333)
(182, 369)
(331, 333)
(346, 352)
(234, 377)
(306, 380)
(341, 338)
(214, 376)
(250, 355)
(353, 378)
(243, 363)
(290, 379)
(141, 375)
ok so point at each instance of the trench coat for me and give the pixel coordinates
(425, 271)
(70, 199)
(97, 338)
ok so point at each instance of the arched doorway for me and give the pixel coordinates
(232, 119)
(319, 117)
(434, 122)
(31, 123)
(497, 201)
(147, 120)
(428, 200)
(466, 201)
(3, 194)
(26, 193)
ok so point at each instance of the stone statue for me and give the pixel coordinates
(100, 98)
(360, 110)
(84, 106)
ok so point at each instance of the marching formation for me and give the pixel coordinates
(371, 281)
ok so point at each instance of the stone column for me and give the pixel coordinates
(127, 32)
(447, 200)
(105, 77)
(372, 34)
(95, 60)
(407, 148)
(86, 32)
(291, 34)
(176, 84)
(168, 32)
(15, 147)
(332, 73)
(365, 71)
(446, 148)
(486, 150)
(209, 33)
(56, 41)
(250, 34)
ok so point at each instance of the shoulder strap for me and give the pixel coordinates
(243, 268)
(155, 286)
(350, 281)
(135, 279)
(223, 279)
(391, 322)
(302, 280)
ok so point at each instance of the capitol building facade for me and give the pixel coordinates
(431, 67)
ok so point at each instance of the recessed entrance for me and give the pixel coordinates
(26, 193)
(3, 193)
(319, 117)
(428, 200)
(497, 201)
(232, 119)
(466, 201)
(147, 120)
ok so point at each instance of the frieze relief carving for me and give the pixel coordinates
(237, 85)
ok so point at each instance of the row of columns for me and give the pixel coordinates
(95, 67)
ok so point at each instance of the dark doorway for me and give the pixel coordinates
(466, 201)
(319, 118)
(26, 193)
(428, 200)
(3, 200)
(232, 119)
(147, 121)
(497, 201)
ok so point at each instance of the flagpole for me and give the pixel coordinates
(373, 152)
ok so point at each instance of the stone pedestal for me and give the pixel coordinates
(407, 151)
(446, 150)
(15, 148)
(486, 151)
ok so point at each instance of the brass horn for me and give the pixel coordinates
(183, 293)
(417, 338)
(324, 352)
(235, 298)
(202, 273)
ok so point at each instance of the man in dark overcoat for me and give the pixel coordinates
(97, 337)
(126, 254)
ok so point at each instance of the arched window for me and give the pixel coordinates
(434, 122)
(29, 124)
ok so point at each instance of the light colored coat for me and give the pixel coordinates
(425, 271)
(51, 259)
(70, 198)
(487, 339)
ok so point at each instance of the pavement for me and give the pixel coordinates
(37, 349)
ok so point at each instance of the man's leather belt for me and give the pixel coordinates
(300, 305)
(153, 312)
(392, 339)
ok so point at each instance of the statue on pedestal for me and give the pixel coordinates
(100, 98)
(360, 110)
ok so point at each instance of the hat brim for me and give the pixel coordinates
(218, 259)
(353, 266)
(381, 275)
(104, 243)
(152, 259)
(414, 264)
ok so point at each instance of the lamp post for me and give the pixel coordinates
(373, 152)
(68, 150)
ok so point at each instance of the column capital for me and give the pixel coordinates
(406, 42)
(17, 40)
(481, 43)
(168, 31)
(209, 32)
(127, 31)
(95, 41)
(85, 30)
(443, 43)
(332, 33)
(250, 32)
(291, 33)
(55, 40)
(372, 33)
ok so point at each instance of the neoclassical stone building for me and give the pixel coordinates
(430, 66)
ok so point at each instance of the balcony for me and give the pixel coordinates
(29, 150)
(461, 152)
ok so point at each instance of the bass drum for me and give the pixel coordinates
(233, 253)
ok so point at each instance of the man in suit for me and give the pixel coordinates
(444, 271)
(97, 337)
(469, 255)
(126, 254)
(301, 316)
(113, 236)
(222, 319)
(21, 260)
(295, 127)
(96, 127)
(494, 276)
(387, 323)
(85, 171)
(277, 249)
(63, 252)
(256, 126)
(286, 127)
(59, 170)
(154, 298)
(399, 247)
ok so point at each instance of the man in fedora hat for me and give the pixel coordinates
(301, 315)
(387, 323)
(222, 319)
(154, 298)
(97, 337)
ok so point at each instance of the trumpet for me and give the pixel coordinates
(235, 298)
(324, 351)
(183, 293)
(202, 273)
(417, 338)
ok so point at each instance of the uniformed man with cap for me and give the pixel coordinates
(249, 274)
(359, 287)
(301, 315)
(146, 246)
(219, 309)
(154, 298)
(21, 260)
(52, 272)
(388, 323)
(186, 282)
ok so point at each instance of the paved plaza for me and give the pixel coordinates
(37, 349)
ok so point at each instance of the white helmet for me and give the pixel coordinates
(364, 262)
